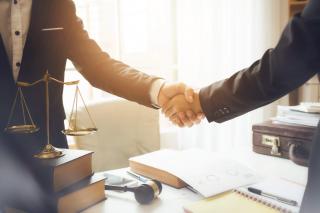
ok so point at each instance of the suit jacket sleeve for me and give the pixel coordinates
(294, 60)
(99, 68)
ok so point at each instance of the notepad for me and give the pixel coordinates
(241, 200)
(229, 202)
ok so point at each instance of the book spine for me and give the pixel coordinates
(45, 177)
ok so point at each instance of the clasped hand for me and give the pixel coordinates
(181, 104)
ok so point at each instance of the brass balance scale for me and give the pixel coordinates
(28, 126)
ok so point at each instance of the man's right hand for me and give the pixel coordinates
(182, 118)
(184, 113)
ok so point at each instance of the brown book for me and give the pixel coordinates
(62, 172)
(157, 174)
(81, 195)
(76, 197)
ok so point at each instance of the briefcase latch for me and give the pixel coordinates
(274, 142)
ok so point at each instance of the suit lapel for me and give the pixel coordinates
(3, 56)
(5, 68)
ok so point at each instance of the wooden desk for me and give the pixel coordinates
(172, 200)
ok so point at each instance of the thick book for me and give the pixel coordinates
(81, 195)
(58, 173)
(155, 173)
(76, 197)
(143, 166)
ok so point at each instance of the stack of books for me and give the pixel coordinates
(71, 181)
(306, 114)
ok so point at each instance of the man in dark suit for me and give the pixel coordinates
(294, 60)
(37, 36)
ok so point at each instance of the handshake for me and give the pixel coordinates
(180, 104)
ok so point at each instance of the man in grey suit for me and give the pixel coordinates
(294, 60)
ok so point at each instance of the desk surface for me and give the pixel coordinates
(172, 200)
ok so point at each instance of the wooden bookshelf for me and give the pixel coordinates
(296, 6)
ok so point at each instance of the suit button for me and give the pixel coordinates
(217, 114)
(17, 33)
(18, 64)
(221, 111)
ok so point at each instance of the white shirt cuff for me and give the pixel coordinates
(154, 91)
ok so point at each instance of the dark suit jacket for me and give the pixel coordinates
(294, 60)
(49, 50)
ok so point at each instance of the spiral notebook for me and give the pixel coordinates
(241, 200)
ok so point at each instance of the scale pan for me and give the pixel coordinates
(22, 129)
(79, 132)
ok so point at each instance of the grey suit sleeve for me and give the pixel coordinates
(294, 60)
(100, 69)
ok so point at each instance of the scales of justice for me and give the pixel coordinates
(28, 126)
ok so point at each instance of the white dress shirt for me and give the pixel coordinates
(14, 25)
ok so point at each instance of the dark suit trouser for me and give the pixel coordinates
(312, 10)
(311, 199)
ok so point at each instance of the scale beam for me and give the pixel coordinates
(46, 79)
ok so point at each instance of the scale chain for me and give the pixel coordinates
(71, 114)
(22, 106)
(27, 109)
(85, 106)
(12, 109)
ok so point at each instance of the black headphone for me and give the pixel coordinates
(144, 194)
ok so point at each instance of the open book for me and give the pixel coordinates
(206, 172)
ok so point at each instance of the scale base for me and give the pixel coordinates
(49, 152)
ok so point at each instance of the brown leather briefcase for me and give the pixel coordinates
(284, 141)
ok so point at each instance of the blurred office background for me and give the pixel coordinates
(194, 41)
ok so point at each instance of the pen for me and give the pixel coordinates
(138, 177)
(192, 189)
(275, 197)
(143, 179)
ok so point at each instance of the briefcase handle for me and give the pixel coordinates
(298, 155)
